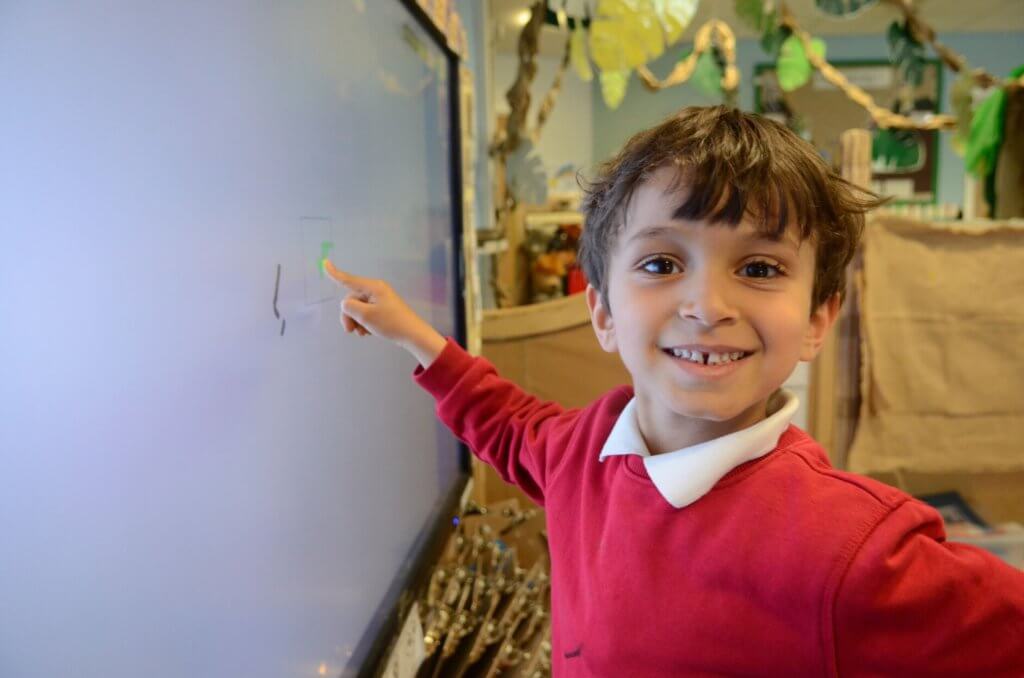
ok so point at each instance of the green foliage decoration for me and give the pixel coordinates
(843, 8)
(897, 150)
(906, 53)
(753, 14)
(793, 68)
(985, 138)
(961, 96)
(707, 76)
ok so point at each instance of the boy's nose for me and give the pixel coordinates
(705, 301)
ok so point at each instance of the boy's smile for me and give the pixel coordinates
(709, 319)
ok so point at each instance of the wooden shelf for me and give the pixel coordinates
(517, 322)
(553, 218)
(492, 247)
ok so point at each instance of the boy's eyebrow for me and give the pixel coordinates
(652, 232)
(785, 240)
(662, 230)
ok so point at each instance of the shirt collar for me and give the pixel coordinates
(684, 476)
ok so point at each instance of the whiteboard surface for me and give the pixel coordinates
(193, 484)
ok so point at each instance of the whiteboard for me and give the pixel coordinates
(202, 474)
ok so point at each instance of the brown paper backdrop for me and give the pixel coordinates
(943, 346)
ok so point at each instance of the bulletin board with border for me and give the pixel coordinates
(905, 163)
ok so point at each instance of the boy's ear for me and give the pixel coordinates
(822, 320)
(601, 319)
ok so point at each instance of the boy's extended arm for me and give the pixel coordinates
(505, 427)
(914, 604)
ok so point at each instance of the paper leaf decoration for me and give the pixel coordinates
(773, 37)
(793, 68)
(843, 8)
(707, 76)
(675, 16)
(986, 135)
(906, 53)
(578, 54)
(961, 96)
(897, 151)
(751, 12)
(625, 34)
(613, 87)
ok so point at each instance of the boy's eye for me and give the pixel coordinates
(762, 269)
(659, 266)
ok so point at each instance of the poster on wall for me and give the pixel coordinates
(904, 163)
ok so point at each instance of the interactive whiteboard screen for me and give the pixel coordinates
(203, 475)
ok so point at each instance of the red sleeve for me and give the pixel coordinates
(503, 425)
(913, 604)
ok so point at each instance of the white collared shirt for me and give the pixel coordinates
(686, 475)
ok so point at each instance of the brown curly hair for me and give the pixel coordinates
(734, 165)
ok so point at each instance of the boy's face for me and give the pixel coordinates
(677, 286)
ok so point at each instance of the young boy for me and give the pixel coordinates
(693, 530)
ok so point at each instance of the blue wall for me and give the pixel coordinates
(998, 53)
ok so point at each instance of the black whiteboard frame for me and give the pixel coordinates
(369, 653)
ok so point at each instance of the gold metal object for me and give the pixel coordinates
(479, 602)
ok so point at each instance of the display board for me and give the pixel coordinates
(203, 475)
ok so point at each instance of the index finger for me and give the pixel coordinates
(340, 276)
(362, 286)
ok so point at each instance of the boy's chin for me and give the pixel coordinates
(700, 408)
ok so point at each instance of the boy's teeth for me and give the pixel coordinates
(706, 358)
(694, 356)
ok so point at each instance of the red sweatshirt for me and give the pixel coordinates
(787, 567)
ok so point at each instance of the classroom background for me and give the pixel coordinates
(206, 477)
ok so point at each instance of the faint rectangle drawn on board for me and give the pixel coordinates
(316, 236)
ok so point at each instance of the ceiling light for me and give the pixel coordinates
(521, 18)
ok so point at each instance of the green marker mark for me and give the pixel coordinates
(325, 249)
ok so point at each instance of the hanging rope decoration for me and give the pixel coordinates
(720, 33)
(552, 95)
(518, 95)
(714, 32)
(881, 115)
